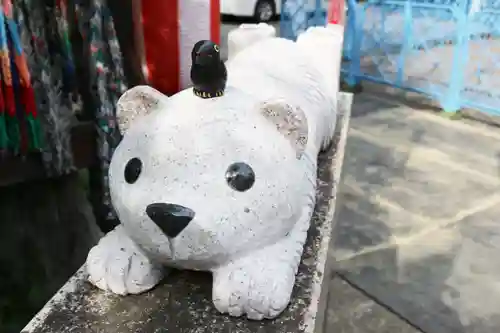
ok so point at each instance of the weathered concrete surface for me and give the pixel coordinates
(419, 228)
(46, 230)
(182, 303)
(351, 311)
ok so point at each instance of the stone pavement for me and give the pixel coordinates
(419, 229)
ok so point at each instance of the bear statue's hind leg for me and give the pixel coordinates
(260, 284)
(117, 264)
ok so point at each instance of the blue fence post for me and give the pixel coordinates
(347, 39)
(349, 31)
(356, 19)
(294, 18)
(468, 5)
(319, 18)
(452, 101)
(285, 18)
(407, 42)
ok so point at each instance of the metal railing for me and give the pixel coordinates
(448, 50)
(298, 15)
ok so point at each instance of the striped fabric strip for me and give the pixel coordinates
(170, 29)
(27, 95)
(12, 125)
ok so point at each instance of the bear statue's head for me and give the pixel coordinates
(196, 181)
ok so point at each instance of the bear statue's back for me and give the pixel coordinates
(278, 68)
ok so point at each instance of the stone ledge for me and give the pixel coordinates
(182, 303)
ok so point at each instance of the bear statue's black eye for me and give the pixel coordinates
(240, 176)
(133, 170)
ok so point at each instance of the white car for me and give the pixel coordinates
(260, 10)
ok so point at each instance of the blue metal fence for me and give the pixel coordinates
(298, 15)
(448, 50)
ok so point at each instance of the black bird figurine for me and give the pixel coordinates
(208, 72)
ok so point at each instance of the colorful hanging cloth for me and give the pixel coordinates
(16, 87)
(40, 104)
(12, 123)
(39, 33)
(47, 95)
(108, 78)
(25, 40)
(4, 144)
(26, 92)
(69, 70)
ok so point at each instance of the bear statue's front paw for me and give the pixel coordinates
(255, 289)
(116, 264)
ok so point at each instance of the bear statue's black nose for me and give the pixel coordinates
(171, 219)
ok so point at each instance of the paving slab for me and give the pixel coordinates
(351, 311)
(442, 281)
(419, 227)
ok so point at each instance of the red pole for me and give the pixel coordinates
(336, 22)
(161, 41)
(215, 21)
(336, 12)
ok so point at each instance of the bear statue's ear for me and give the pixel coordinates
(290, 121)
(135, 103)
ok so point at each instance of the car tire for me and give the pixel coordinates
(265, 10)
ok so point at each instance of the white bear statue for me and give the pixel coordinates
(224, 184)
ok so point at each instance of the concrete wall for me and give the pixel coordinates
(46, 230)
